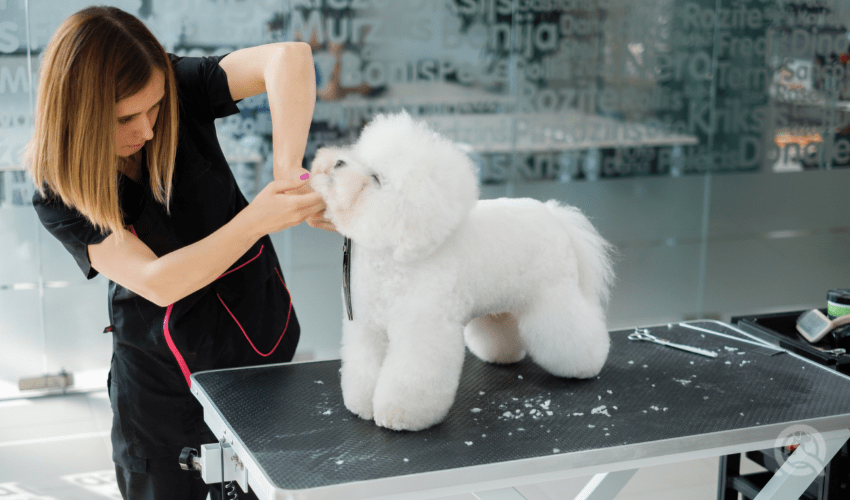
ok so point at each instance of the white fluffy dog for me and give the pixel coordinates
(431, 265)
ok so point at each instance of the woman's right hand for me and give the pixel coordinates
(276, 207)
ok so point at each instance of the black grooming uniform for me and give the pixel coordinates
(155, 416)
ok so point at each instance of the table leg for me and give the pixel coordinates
(803, 466)
(730, 467)
(606, 486)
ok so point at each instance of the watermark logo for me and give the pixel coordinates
(807, 447)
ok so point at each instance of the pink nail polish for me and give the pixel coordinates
(304, 177)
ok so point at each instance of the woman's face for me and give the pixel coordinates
(136, 116)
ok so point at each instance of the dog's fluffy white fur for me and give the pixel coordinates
(433, 266)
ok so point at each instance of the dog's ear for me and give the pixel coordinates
(426, 222)
(412, 248)
(433, 183)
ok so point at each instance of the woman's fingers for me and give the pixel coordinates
(293, 185)
(302, 189)
(305, 205)
(327, 226)
(319, 221)
(310, 202)
(276, 207)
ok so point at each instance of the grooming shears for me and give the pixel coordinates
(643, 334)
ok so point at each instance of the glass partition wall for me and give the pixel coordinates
(707, 139)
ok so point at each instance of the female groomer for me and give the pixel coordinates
(132, 181)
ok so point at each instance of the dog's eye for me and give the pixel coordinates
(375, 176)
(339, 163)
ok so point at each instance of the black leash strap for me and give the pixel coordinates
(346, 275)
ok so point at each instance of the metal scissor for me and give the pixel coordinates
(643, 334)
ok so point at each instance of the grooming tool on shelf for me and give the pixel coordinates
(814, 325)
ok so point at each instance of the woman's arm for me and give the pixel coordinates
(167, 279)
(285, 71)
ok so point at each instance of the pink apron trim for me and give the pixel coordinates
(179, 357)
(180, 361)
(245, 264)
(168, 339)
(176, 353)
(288, 315)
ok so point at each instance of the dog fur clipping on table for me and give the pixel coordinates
(433, 266)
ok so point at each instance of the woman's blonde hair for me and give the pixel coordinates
(97, 57)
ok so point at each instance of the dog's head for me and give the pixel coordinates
(401, 186)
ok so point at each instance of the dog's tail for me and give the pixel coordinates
(594, 253)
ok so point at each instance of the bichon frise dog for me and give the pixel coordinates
(432, 266)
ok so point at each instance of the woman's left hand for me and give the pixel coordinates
(319, 221)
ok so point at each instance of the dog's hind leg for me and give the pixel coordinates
(495, 338)
(565, 333)
(363, 349)
(421, 372)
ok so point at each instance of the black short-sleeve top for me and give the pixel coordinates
(204, 95)
(205, 197)
(204, 193)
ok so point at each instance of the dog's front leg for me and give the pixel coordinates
(363, 348)
(421, 372)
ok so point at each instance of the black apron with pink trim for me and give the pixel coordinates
(245, 317)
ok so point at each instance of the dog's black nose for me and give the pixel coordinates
(339, 163)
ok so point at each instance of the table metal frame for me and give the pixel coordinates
(611, 467)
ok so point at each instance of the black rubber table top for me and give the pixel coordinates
(292, 419)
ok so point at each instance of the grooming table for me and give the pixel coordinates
(515, 424)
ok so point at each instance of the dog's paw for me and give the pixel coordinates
(410, 409)
(398, 418)
(363, 411)
(357, 381)
(357, 401)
